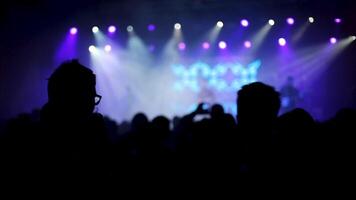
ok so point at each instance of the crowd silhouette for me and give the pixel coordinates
(67, 141)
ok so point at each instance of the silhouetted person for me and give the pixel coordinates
(258, 105)
(74, 137)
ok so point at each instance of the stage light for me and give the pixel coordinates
(206, 45)
(107, 48)
(353, 38)
(181, 46)
(333, 40)
(271, 22)
(177, 26)
(311, 19)
(244, 23)
(219, 24)
(112, 29)
(338, 20)
(73, 31)
(222, 45)
(129, 28)
(92, 48)
(151, 27)
(247, 44)
(282, 42)
(95, 29)
(290, 21)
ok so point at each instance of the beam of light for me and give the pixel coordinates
(219, 24)
(300, 32)
(68, 47)
(260, 36)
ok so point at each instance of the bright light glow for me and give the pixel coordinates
(92, 48)
(222, 45)
(247, 44)
(271, 22)
(219, 24)
(181, 46)
(338, 20)
(107, 48)
(333, 40)
(129, 28)
(112, 29)
(73, 31)
(290, 21)
(206, 45)
(282, 42)
(95, 29)
(353, 38)
(244, 23)
(151, 27)
(177, 26)
(311, 19)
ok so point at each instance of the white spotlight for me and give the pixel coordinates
(271, 22)
(220, 24)
(311, 19)
(129, 28)
(353, 38)
(95, 29)
(107, 48)
(92, 48)
(177, 26)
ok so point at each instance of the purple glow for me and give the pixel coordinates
(73, 31)
(181, 46)
(151, 27)
(247, 44)
(222, 45)
(290, 21)
(244, 23)
(333, 40)
(206, 45)
(338, 20)
(112, 29)
(282, 42)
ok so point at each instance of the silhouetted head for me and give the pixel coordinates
(297, 119)
(257, 103)
(217, 111)
(139, 122)
(160, 126)
(71, 90)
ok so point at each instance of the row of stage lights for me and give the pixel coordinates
(177, 26)
(222, 44)
(205, 45)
